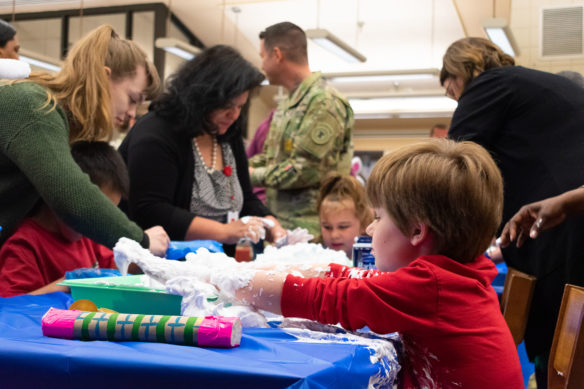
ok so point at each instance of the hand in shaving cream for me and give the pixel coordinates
(299, 235)
(247, 228)
(272, 230)
(255, 230)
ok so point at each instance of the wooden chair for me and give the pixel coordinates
(516, 302)
(566, 363)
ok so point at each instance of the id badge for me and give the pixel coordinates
(232, 216)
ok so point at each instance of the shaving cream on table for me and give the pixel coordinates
(190, 278)
(207, 331)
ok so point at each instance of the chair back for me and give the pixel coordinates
(516, 302)
(566, 363)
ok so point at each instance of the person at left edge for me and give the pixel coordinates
(10, 65)
(9, 44)
(102, 80)
(186, 158)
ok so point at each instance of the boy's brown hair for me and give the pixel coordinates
(454, 188)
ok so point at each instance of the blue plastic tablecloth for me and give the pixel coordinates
(499, 281)
(179, 249)
(267, 358)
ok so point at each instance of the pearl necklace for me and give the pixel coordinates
(208, 169)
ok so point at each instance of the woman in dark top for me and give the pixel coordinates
(186, 159)
(532, 123)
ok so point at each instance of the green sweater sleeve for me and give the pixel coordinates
(37, 143)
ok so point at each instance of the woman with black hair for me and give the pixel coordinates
(186, 159)
(9, 45)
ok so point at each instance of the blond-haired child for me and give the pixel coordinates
(437, 206)
(343, 210)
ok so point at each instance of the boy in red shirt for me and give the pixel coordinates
(43, 248)
(437, 206)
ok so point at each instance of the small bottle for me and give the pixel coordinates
(361, 248)
(244, 251)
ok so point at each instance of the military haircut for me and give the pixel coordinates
(7, 33)
(103, 164)
(455, 188)
(289, 38)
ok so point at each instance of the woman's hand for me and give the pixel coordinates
(275, 230)
(532, 219)
(250, 227)
(159, 241)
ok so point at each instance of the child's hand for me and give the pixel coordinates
(52, 287)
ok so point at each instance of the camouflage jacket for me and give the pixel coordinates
(310, 135)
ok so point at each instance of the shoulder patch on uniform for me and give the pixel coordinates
(321, 134)
(288, 145)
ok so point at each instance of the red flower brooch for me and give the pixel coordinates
(227, 170)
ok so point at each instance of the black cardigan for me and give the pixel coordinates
(532, 123)
(161, 167)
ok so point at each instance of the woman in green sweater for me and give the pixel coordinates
(102, 81)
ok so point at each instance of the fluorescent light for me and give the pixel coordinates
(178, 48)
(383, 76)
(500, 34)
(40, 60)
(334, 44)
(394, 94)
(403, 106)
(498, 37)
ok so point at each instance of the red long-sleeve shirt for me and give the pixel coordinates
(447, 313)
(34, 257)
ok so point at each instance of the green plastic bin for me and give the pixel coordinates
(125, 295)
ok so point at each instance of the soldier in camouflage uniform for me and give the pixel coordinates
(310, 133)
